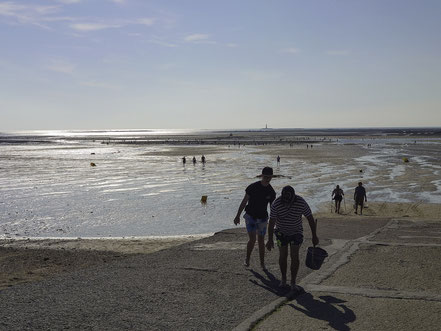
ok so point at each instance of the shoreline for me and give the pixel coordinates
(415, 210)
(372, 209)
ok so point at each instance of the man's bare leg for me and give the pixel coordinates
(261, 242)
(283, 257)
(294, 264)
(250, 246)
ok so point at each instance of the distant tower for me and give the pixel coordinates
(266, 126)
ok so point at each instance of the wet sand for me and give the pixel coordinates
(131, 188)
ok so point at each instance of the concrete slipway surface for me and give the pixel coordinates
(381, 274)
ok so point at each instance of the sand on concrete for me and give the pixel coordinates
(391, 268)
(411, 231)
(27, 260)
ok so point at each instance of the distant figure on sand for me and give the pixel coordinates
(286, 216)
(194, 160)
(278, 159)
(360, 197)
(203, 159)
(255, 202)
(184, 160)
(337, 195)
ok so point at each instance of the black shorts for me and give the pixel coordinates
(284, 240)
(359, 202)
(338, 198)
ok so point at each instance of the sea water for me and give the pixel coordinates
(50, 189)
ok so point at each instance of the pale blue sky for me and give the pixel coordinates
(108, 64)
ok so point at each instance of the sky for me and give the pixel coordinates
(227, 64)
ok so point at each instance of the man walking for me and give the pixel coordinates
(337, 195)
(286, 216)
(359, 197)
(255, 202)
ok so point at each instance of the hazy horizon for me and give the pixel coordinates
(199, 130)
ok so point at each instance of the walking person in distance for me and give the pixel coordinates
(360, 197)
(337, 195)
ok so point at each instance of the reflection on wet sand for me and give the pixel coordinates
(49, 188)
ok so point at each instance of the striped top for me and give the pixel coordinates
(289, 217)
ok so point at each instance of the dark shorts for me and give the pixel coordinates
(338, 198)
(284, 240)
(359, 202)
